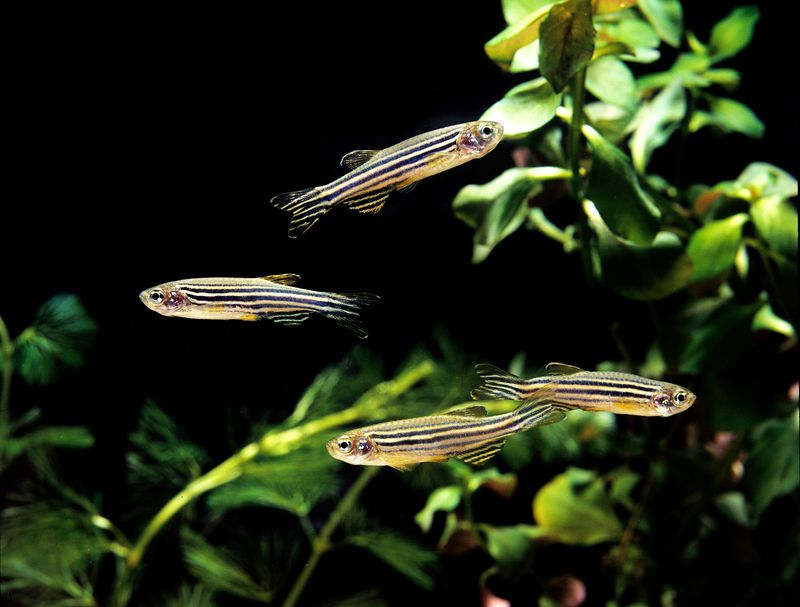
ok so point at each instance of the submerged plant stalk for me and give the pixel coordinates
(280, 442)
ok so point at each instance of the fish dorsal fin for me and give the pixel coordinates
(282, 279)
(471, 411)
(481, 454)
(356, 158)
(562, 369)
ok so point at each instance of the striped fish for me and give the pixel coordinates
(270, 297)
(374, 174)
(588, 390)
(465, 433)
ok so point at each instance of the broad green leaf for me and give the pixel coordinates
(641, 272)
(503, 46)
(623, 482)
(712, 333)
(602, 7)
(575, 509)
(525, 108)
(733, 33)
(656, 122)
(496, 209)
(633, 33)
(511, 547)
(71, 437)
(761, 179)
(614, 188)
(772, 468)
(766, 320)
(566, 42)
(611, 120)
(526, 59)
(713, 247)
(517, 10)
(218, 568)
(730, 116)
(733, 506)
(776, 222)
(666, 16)
(441, 499)
(610, 80)
(59, 335)
(405, 556)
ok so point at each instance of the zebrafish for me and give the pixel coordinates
(270, 297)
(374, 174)
(466, 434)
(588, 390)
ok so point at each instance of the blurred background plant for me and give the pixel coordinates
(700, 508)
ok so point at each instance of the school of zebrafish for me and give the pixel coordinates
(468, 433)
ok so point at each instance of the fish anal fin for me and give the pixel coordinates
(407, 188)
(470, 411)
(481, 454)
(283, 279)
(562, 369)
(371, 202)
(288, 318)
(356, 158)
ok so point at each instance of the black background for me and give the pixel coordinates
(145, 144)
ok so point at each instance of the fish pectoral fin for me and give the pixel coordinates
(562, 369)
(407, 188)
(483, 453)
(403, 466)
(356, 158)
(288, 318)
(371, 202)
(283, 279)
(471, 411)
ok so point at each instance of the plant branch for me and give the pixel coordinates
(574, 151)
(322, 542)
(370, 405)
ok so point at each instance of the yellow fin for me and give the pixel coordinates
(562, 369)
(471, 411)
(282, 279)
(483, 453)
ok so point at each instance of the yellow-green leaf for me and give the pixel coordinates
(566, 42)
(656, 121)
(713, 247)
(502, 47)
(666, 16)
(733, 33)
(610, 80)
(525, 108)
(730, 116)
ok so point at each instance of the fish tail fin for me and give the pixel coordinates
(499, 384)
(306, 207)
(345, 309)
(539, 412)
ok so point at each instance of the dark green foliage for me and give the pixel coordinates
(567, 41)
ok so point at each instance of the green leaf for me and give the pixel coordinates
(614, 188)
(511, 547)
(772, 468)
(730, 116)
(776, 222)
(70, 437)
(656, 121)
(400, 553)
(496, 209)
(610, 80)
(503, 46)
(517, 10)
(713, 247)
(733, 33)
(611, 120)
(525, 108)
(641, 272)
(623, 482)
(634, 33)
(196, 595)
(666, 16)
(526, 59)
(766, 320)
(575, 509)
(59, 335)
(733, 506)
(217, 568)
(566, 42)
(441, 499)
(295, 484)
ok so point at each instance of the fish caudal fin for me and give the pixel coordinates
(306, 208)
(345, 309)
(499, 384)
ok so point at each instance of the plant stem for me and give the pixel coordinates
(7, 348)
(280, 442)
(323, 541)
(574, 150)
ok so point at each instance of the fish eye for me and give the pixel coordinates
(680, 398)
(345, 445)
(156, 296)
(486, 131)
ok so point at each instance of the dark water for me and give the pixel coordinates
(147, 141)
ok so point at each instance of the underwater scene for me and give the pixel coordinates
(486, 304)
